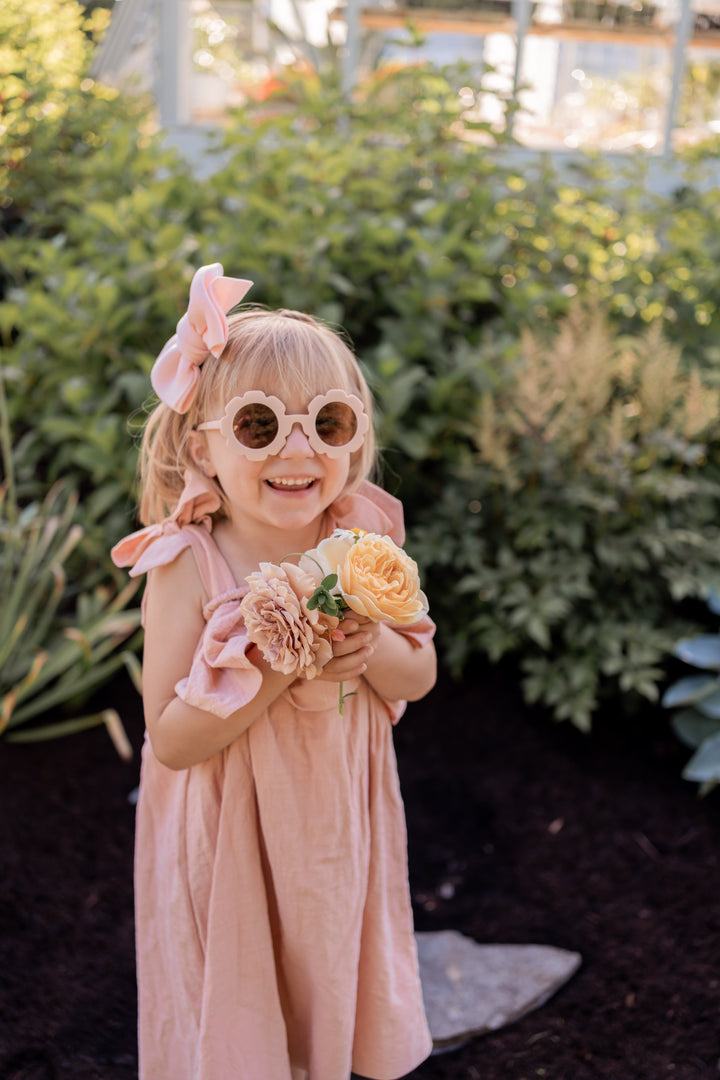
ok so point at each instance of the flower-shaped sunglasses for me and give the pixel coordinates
(256, 425)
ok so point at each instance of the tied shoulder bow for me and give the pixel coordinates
(198, 502)
(203, 329)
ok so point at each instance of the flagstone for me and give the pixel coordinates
(470, 989)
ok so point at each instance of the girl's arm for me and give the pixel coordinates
(180, 734)
(399, 670)
(395, 668)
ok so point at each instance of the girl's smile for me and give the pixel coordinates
(291, 484)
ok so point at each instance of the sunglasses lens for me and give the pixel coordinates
(336, 423)
(255, 426)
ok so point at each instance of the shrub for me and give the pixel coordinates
(434, 252)
(57, 642)
(583, 518)
(96, 219)
(50, 658)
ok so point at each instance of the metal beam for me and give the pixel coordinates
(683, 32)
(173, 74)
(521, 15)
(352, 45)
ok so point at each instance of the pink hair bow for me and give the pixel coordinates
(202, 329)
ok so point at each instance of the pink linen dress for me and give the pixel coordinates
(273, 918)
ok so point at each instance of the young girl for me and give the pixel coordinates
(274, 927)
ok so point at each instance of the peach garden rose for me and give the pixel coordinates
(380, 580)
(374, 577)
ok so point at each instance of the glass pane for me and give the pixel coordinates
(222, 44)
(598, 74)
(698, 112)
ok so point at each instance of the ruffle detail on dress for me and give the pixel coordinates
(372, 509)
(228, 597)
(221, 678)
(419, 633)
(159, 544)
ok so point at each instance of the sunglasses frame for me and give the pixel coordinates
(286, 422)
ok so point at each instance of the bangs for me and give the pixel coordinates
(286, 354)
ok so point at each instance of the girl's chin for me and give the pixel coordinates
(289, 510)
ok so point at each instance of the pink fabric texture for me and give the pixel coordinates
(221, 678)
(202, 329)
(273, 917)
(198, 501)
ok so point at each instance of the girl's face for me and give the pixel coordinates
(288, 490)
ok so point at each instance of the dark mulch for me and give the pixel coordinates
(541, 835)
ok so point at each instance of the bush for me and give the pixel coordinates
(586, 514)
(96, 217)
(82, 193)
(52, 654)
(577, 542)
(58, 642)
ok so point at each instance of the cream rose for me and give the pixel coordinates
(290, 637)
(329, 556)
(380, 580)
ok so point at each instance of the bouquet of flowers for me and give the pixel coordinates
(293, 613)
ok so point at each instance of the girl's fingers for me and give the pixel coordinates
(351, 649)
(352, 623)
(346, 667)
(352, 643)
(345, 676)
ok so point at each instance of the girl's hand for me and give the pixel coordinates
(351, 654)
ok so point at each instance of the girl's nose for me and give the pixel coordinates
(296, 444)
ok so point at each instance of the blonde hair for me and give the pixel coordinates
(279, 352)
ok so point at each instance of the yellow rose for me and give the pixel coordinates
(378, 579)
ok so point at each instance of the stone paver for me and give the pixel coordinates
(470, 989)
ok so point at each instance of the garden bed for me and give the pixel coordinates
(520, 831)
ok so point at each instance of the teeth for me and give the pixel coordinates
(291, 482)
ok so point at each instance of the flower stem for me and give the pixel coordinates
(343, 696)
(302, 555)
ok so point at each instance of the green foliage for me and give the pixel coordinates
(57, 643)
(565, 512)
(96, 218)
(697, 723)
(44, 52)
(324, 599)
(52, 657)
(583, 517)
(375, 215)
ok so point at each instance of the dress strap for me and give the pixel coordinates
(214, 571)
